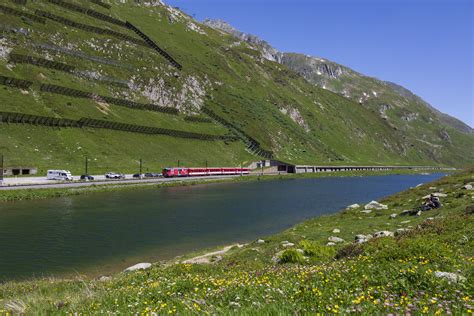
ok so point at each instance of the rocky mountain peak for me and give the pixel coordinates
(268, 51)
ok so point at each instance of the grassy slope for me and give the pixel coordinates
(388, 275)
(241, 87)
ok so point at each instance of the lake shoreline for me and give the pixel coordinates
(167, 254)
(42, 193)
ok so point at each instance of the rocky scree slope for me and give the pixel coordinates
(117, 82)
(415, 118)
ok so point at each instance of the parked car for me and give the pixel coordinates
(113, 175)
(64, 175)
(152, 175)
(87, 177)
(138, 175)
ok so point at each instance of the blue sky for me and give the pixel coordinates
(424, 45)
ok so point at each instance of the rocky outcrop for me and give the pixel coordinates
(268, 52)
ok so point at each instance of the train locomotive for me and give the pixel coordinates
(197, 172)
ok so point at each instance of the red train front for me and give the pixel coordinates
(195, 172)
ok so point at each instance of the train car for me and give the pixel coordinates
(196, 172)
(175, 172)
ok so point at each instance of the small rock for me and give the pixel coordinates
(139, 266)
(276, 258)
(437, 194)
(330, 244)
(401, 231)
(419, 185)
(467, 187)
(300, 251)
(336, 231)
(290, 244)
(335, 239)
(432, 188)
(366, 211)
(375, 205)
(469, 209)
(418, 213)
(353, 206)
(383, 233)
(260, 241)
(392, 216)
(430, 218)
(452, 277)
(405, 212)
(405, 222)
(104, 278)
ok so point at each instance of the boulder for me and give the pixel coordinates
(467, 187)
(375, 205)
(104, 278)
(336, 231)
(362, 238)
(260, 241)
(330, 244)
(138, 266)
(353, 206)
(290, 244)
(392, 216)
(432, 188)
(335, 239)
(366, 211)
(383, 233)
(418, 213)
(301, 251)
(451, 277)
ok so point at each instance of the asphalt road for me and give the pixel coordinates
(43, 183)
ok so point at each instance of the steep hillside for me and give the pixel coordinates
(117, 82)
(402, 109)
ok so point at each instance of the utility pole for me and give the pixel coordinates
(207, 171)
(141, 162)
(262, 167)
(86, 166)
(1, 171)
(178, 163)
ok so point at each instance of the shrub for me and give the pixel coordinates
(291, 256)
(315, 251)
(352, 250)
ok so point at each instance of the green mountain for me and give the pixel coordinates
(118, 82)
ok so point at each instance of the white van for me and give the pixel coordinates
(59, 175)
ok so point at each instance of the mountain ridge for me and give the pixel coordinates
(326, 68)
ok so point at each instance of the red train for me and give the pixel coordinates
(194, 172)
